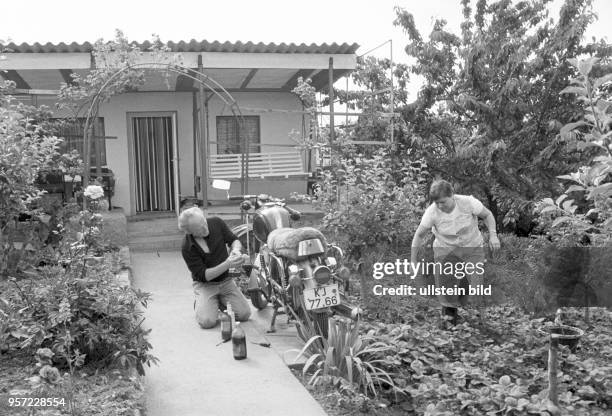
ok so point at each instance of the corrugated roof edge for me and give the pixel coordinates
(195, 46)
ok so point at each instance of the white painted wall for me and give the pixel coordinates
(275, 129)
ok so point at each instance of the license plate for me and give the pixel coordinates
(322, 297)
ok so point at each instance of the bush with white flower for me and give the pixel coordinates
(94, 192)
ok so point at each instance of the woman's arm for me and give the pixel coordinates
(417, 241)
(489, 221)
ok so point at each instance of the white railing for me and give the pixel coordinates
(261, 165)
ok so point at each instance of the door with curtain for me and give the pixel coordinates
(153, 156)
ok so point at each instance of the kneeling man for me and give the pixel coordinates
(205, 253)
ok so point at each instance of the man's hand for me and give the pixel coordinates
(236, 252)
(494, 243)
(235, 260)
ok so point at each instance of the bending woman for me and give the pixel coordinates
(453, 219)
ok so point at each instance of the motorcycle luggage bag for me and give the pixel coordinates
(285, 241)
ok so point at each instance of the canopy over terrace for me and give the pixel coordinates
(40, 69)
(236, 66)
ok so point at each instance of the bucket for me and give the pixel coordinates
(567, 335)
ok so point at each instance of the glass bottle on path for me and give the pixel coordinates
(239, 343)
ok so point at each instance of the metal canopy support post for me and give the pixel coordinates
(194, 115)
(330, 72)
(203, 145)
(392, 127)
(96, 149)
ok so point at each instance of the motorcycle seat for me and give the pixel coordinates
(285, 241)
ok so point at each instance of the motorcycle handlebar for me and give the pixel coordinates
(295, 215)
(235, 197)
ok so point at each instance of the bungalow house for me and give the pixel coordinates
(155, 140)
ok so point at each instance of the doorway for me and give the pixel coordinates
(154, 152)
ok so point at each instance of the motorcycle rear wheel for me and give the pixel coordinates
(310, 323)
(321, 323)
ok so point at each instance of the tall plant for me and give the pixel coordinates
(346, 357)
(592, 182)
(27, 149)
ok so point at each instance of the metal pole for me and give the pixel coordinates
(553, 394)
(86, 161)
(246, 154)
(96, 149)
(346, 103)
(330, 72)
(392, 96)
(195, 143)
(203, 146)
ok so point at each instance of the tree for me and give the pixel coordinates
(488, 113)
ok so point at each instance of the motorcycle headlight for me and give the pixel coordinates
(322, 274)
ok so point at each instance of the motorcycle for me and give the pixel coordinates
(293, 269)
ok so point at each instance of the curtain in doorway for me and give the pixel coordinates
(153, 163)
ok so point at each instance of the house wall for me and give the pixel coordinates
(275, 129)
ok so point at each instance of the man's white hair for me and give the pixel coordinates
(187, 215)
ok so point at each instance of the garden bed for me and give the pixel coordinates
(97, 392)
(497, 364)
(96, 388)
(494, 363)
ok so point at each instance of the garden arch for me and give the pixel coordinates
(203, 80)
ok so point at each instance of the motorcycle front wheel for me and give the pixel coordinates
(258, 300)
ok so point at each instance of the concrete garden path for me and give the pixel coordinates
(197, 378)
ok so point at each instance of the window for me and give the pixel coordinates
(71, 130)
(228, 141)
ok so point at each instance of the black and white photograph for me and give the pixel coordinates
(323, 208)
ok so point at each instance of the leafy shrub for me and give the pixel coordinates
(592, 135)
(27, 150)
(346, 358)
(373, 200)
(93, 315)
(76, 307)
(517, 271)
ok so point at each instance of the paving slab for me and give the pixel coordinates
(195, 377)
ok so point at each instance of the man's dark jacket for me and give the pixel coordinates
(219, 235)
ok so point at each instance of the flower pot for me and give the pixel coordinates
(565, 334)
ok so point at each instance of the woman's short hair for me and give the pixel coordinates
(440, 189)
(187, 215)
